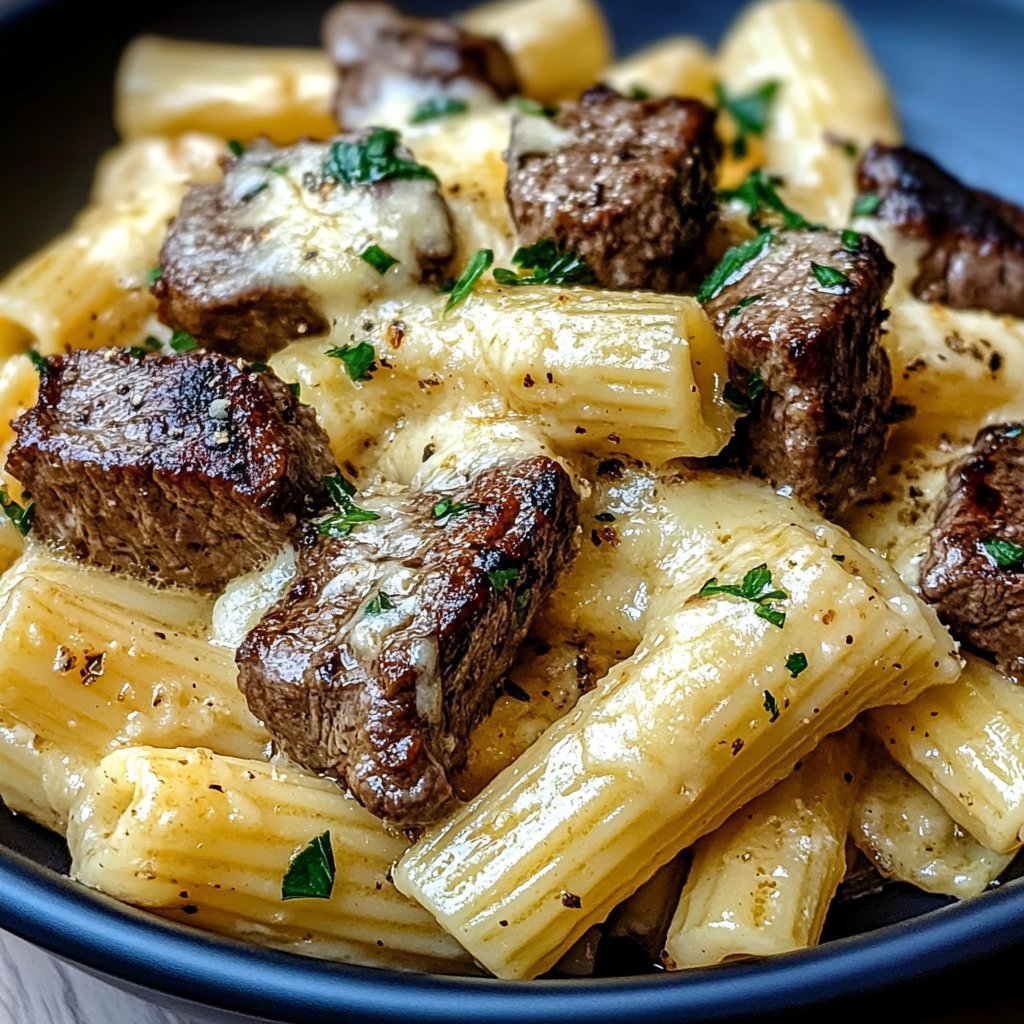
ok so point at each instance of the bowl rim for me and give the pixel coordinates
(181, 962)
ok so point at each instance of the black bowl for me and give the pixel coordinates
(956, 68)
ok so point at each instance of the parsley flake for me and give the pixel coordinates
(153, 275)
(756, 587)
(478, 263)
(501, 578)
(182, 341)
(528, 106)
(310, 873)
(547, 264)
(733, 263)
(437, 107)
(375, 159)
(21, 516)
(295, 388)
(359, 360)
(829, 277)
(796, 663)
(236, 148)
(771, 705)
(524, 602)
(742, 305)
(851, 240)
(149, 346)
(638, 92)
(758, 193)
(750, 111)
(378, 258)
(40, 362)
(446, 507)
(379, 603)
(866, 204)
(1004, 553)
(341, 523)
(743, 401)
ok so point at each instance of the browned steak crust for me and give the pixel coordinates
(822, 422)
(372, 44)
(183, 470)
(980, 601)
(975, 255)
(384, 697)
(627, 184)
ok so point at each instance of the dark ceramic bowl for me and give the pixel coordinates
(957, 69)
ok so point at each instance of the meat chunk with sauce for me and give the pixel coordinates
(270, 253)
(392, 643)
(627, 184)
(185, 470)
(812, 337)
(389, 63)
(974, 255)
(972, 572)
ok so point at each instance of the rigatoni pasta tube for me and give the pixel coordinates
(672, 741)
(965, 745)
(172, 86)
(208, 839)
(908, 835)
(762, 883)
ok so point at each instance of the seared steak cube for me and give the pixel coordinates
(627, 184)
(251, 262)
(388, 63)
(393, 641)
(973, 572)
(183, 470)
(804, 314)
(975, 241)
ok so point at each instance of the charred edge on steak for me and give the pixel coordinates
(627, 184)
(380, 52)
(981, 601)
(248, 260)
(385, 698)
(975, 254)
(183, 470)
(822, 422)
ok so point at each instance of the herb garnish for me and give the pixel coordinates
(866, 204)
(40, 362)
(375, 159)
(548, 264)
(528, 106)
(478, 263)
(829, 277)
(1004, 553)
(757, 588)
(437, 106)
(380, 259)
(771, 705)
(341, 523)
(22, 517)
(638, 92)
(447, 507)
(742, 305)
(501, 578)
(149, 346)
(359, 360)
(851, 240)
(295, 388)
(749, 111)
(524, 601)
(758, 192)
(379, 603)
(154, 274)
(236, 148)
(743, 401)
(735, 260)
(254, 192)
(796, 663)
(310, 873)
(182, 341)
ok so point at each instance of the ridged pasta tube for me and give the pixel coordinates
(762, 883)
(207, 840)
(672, 741)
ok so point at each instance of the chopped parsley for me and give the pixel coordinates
(437, 107)
(743, 401)
(733, 262)
(258, 367)
(796, 663)
(524, 601)
(21, 516)
(1004, 553)
(547, 264)
(349, 514)
(478, 263)
(528, 106)
(380, 603)
(182, 341)
(756, 587)
(771, 705)
(295, 388)
(254, 192)
(829, 277)
(40, 362)
(742, 305)
(359, 360)
(750, 111)
(149, 346)
(310, 873)
(638, 92)
(378, 258)
(446, 507)
(154, 274)
(851, 240)
(236, 148)
(375, 159)
(758, 193)
(866, 204)
(501, 578)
